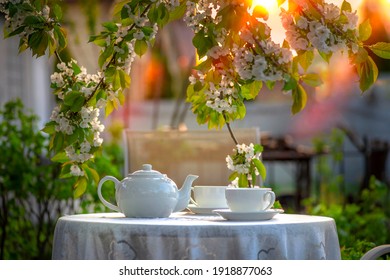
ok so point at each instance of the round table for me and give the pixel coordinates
(189, 236)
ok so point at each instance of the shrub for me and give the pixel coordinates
(32, 196)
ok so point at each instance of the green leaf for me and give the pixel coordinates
(113, 78)
(65, 171)
(190, 91)
(106, 55)
(60, 36)
(34, 21)
(261, 168)
(124, 78)
(242, 181)
(254, 179)
(381, 49)
(258, 148)
(313, 10)
(38, 42)
(60, 157)
(290, 84)
(77, 135)
(312, 79)
(111, 26)
(49, 127)
(80, 187)
(229, 15)
(52, 46)
(270, 84)
(76, 69)
(368, 72)
(75, 100)
(121, 97)
(163, 15)
(277, 205)
(57, 141)
(178, 12)
(326, 56)
(27, 7)
(346, 6)
(99, 40)
(16, 31)
(109, 107)
(38, 5)
(305, 59)
(91, 173)
(299, 99)
(361, 56)
(12, 9)
(140, 47)
(158, 14)
(233, 176)
(153, 13)
(57, 12)
(241, 111)
(251, 90)
(204, 66)
(22, 45)
(198, 86)
(365, 30)
(119, 6)
(202, 43)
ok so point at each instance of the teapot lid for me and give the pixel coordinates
(147, 171)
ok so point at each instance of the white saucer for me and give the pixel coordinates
(202, 210)
(248, 216)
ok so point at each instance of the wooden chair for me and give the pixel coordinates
(376, 252)
(179, 153)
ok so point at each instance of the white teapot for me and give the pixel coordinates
(147, 193)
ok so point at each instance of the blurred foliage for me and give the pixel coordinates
(361, 224)
(32, 197)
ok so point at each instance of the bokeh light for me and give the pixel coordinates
(269, 5)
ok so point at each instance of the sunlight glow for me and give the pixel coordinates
(270, 5)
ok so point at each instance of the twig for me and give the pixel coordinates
(58, 56)
(231, 132)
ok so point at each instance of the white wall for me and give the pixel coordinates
(25, 77)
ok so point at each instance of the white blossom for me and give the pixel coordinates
(85, 147)
(139, 35)
(249, 154)
(46, 12)
(352, 21)
(76, 171)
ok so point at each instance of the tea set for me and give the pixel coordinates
(147, 193)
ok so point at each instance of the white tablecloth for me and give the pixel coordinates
(189, 236)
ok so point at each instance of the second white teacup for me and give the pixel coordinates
(250, 199)
(209, 196)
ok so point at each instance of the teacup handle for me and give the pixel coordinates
(191, 199)
(105, 202)
(272, 199)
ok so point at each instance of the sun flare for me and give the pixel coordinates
(269, 5)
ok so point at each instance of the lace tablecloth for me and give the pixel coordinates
(189, 236)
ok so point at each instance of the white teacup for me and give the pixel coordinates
(209, 196)
(249, 199)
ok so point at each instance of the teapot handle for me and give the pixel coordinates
(105, 202)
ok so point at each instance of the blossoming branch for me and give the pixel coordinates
(237, 57)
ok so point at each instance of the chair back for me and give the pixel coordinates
(179, 153)
(377, 252)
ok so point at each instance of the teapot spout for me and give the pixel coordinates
(185, 193)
